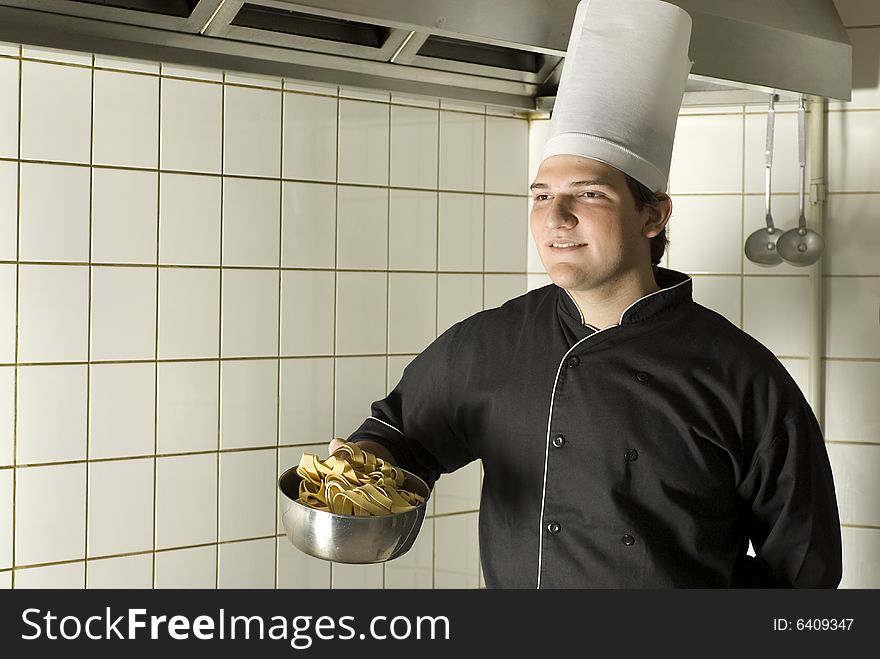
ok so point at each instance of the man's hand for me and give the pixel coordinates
(370, 447)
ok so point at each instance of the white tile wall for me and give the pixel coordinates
(412, 305)
(251, 219)
(307, 312)
(189, 219)
(361, 312)
(506, 234)
(121, 572)
(51, 504)
(299, 570)
(507, 155)
(415, 569)
(120, 508)
(456, 551)
(310, 136)
(191, 137)
(61, 435)
(860, 550)
(124, 216)
(460, 234)
(8, 209)
(187, 406)
(767, 302)
(189, 313)
(6, 501)
(412, 230)
(8, 297)
(364, 129)
(851, 401)
(186, 500)
(248, 403)
(308, 225)
(357, 576)
(64, 575)
(705, 234)
(362, 227)
(126, 120)
(247, 494)
(7, 415)
(201, 129)
(9, 81)
(462, 151)
(852, 324)
(123, 313)
(306, 410)
(852, 232)
(855, 468)
(122, 409)
(414, 144)
(54, 213)
(252, 131)
(187, 568)
(56, 112)
(248, 564)
(250, 313)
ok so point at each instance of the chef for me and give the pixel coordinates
(630, 437)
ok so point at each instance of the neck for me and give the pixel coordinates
(602, 306)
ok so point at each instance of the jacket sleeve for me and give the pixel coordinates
(415, 421)
(793, 518)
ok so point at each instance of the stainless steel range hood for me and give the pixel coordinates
(501, 52)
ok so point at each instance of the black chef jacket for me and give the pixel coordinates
(643, 455)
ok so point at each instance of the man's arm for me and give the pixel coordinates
(794, 524)
(415, 425)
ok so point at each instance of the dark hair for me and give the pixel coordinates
(644, 196)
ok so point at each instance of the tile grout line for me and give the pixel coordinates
(220, 331)
(156, 337)
(89, 322)
(335, 287)
(436, 309)
(387, 273)
(353, 184)
(279, 328)
(17, 335)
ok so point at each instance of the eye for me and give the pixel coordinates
(595, 195)
(541, 197)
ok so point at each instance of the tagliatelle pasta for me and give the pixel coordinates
(354, 482)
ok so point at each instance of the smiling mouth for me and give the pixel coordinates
(565, 246)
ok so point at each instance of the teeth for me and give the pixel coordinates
(564, 244)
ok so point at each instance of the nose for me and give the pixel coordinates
(559, 213)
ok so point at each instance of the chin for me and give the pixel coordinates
(566, 276)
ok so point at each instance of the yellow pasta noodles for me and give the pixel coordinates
(354, 482)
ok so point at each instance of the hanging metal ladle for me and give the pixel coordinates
(801, 246)
(760, 246)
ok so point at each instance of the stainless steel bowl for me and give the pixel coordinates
(349, 538)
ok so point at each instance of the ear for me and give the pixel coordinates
(657, 216)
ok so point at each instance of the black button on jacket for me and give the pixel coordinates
(728, 448)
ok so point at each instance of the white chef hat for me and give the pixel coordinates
(621, 87)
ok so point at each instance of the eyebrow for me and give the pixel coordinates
(576, 184)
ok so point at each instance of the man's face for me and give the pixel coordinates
(585, 223)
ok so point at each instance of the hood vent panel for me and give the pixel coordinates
(181, 8)
(310, 25)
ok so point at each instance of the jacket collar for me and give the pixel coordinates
(675, 288)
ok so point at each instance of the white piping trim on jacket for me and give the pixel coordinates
(386, 424)
(577, 306)
(550, 416)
